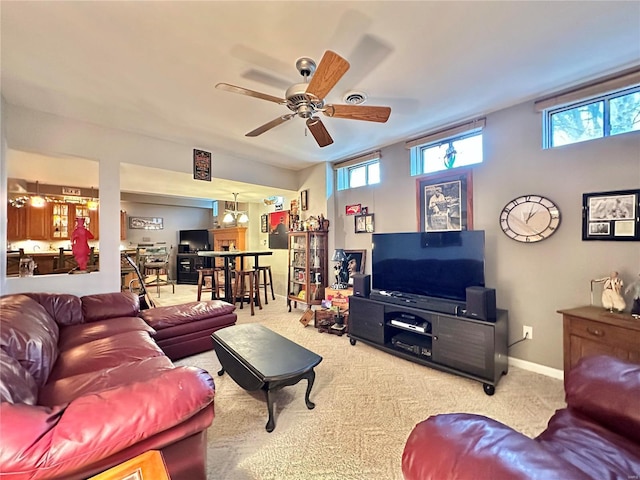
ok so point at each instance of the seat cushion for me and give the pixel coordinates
(75, 335)
(58, 392)
(104, 353)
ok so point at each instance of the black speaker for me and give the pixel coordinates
(361, 285)
(481, 303)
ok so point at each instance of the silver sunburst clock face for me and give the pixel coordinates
(530, 218)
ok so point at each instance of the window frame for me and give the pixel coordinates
(417, 152)
(605, 99)
(344, 170)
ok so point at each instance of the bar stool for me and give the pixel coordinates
(264, 270)
(243, 277)
(215, 284)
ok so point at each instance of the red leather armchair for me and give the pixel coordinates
(596, 437)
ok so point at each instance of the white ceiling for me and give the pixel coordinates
(150, 67)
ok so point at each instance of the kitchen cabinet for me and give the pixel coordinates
(38, 222)
(16, 223)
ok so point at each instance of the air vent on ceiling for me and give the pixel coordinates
(355, 98)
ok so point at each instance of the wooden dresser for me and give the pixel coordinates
(594, 330)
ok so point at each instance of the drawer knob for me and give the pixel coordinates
(595, 331)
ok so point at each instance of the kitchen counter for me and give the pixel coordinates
(47, 262)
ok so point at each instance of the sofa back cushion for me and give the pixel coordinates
(110, 305)
(607, 390)
(29, 335)
(64, 308)
(16, 384)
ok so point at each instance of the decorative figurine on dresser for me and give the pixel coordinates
(612, 292)
(635, 288)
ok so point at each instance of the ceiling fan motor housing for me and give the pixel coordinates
(302, 103)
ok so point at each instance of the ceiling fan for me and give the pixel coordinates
(306, 99)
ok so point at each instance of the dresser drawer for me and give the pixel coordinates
(604, 333)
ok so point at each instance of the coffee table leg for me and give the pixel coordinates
(271, 423)
(221, 372)
(311, 376)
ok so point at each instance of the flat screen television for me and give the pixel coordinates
(194, 240)
(438, 264)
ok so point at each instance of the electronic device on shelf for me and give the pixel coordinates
(420, 345)
(427, 270)
(192, 241)
(410, 322)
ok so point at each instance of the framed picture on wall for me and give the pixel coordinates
(264, 223)
(201, 165)
(354, 263)
(611, 215)
(364, 223)
(279, 230)
(445, 202)
(146, 223)
(304, 200)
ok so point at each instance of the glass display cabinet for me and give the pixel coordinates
(307, 267)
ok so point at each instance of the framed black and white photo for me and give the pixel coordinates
(304, 200)
(611, 215)
(445, 202)
(364, 223)
(146, 223)
(264, 223)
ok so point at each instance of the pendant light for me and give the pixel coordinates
(93, 203)
(37, 201)
(235, 214)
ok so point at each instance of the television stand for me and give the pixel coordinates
(463, 346)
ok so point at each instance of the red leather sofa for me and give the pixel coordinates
(597, 436)
(84, 387)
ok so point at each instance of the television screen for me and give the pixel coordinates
(195, 240)
(441, 264)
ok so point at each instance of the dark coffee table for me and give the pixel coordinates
(260, 359)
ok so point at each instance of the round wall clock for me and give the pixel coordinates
(530, 218)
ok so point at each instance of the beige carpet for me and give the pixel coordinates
(367, 402)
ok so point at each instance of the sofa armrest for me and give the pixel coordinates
(466, 446)
(606, 389)
(172, 315)
(40, 442)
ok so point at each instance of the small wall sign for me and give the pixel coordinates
(201, 165)
(76, 192)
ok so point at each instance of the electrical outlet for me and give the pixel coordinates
(527, 332)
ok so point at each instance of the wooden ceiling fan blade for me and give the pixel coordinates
(319, 132)
(251, 93)
(330, 70)
(269, 125)
(359, 112)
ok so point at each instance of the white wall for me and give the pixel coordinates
(533, 281)
(43, 133)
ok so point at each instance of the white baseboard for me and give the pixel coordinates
(537, 368)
